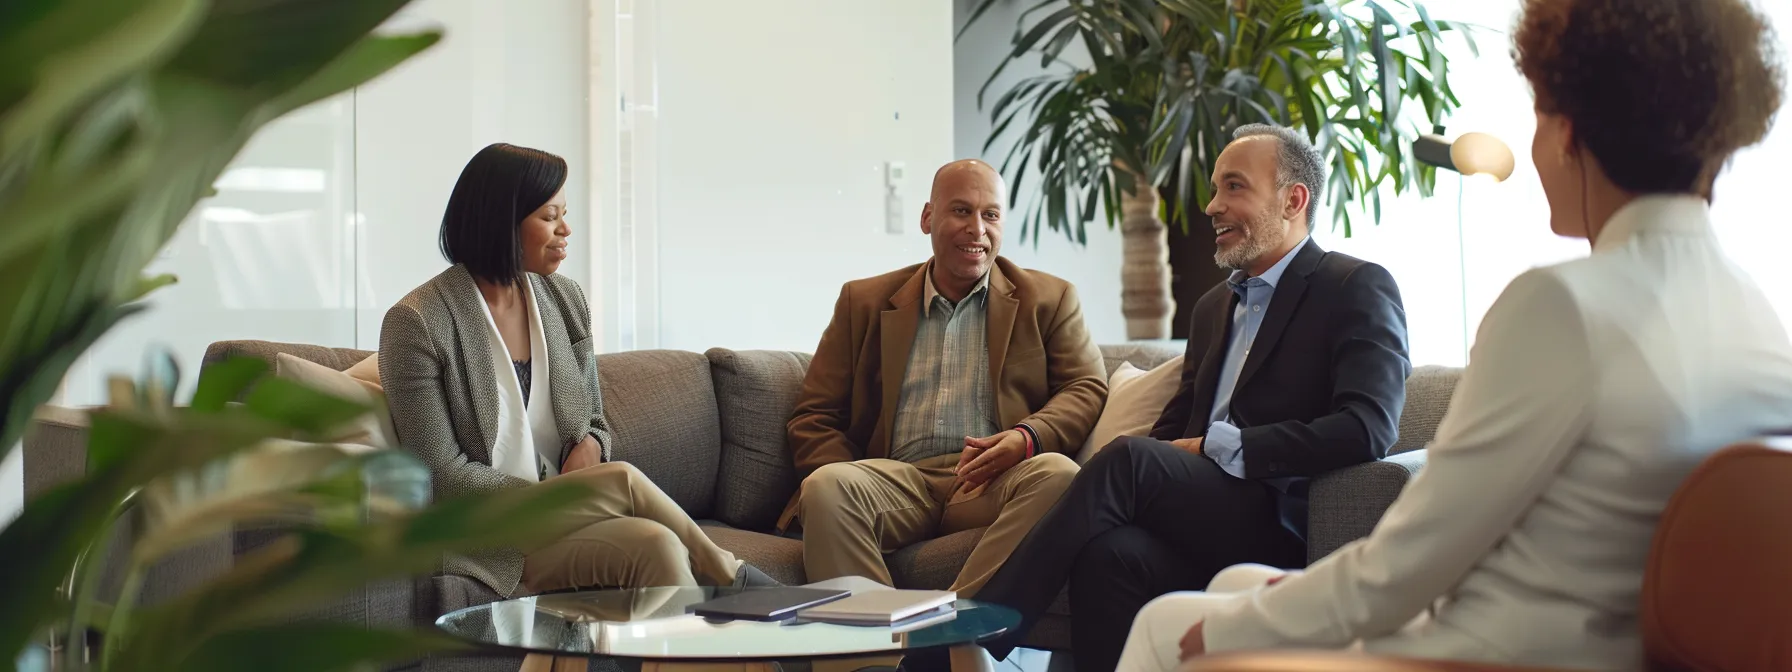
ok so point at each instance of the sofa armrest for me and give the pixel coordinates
(1344, 505)
(55, 449)
(1328, 661)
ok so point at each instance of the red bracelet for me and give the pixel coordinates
(1028, 437)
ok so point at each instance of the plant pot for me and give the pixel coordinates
(1145, 270)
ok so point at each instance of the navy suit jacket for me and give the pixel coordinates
(1325, 381)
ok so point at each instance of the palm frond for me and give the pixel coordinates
(1168, 81)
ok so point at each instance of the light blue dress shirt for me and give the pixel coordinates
(1224, 443)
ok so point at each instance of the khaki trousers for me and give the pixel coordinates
(853, 513)
(628, 535)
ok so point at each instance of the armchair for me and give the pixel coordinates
(1717, 594)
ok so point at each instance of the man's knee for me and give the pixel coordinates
(1049, 471)
(1057, 465)
(833, 493)
(1123, 451)
(831, 483)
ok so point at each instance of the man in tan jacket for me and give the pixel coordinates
(942, 397)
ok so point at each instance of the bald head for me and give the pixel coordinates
(964, 216)
(968, 169)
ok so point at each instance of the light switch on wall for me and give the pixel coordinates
(895, 177)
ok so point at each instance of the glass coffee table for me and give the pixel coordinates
(655, 624)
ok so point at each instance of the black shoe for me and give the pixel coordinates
(749, 576)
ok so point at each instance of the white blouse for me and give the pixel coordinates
(1595, 386)
(528, 441)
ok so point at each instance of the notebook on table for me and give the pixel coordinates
(881, 607)
(769, 604)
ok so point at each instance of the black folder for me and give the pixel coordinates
(766, 604)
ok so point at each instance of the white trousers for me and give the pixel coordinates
(1155, 643)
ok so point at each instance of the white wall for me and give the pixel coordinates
(1505, 226)
(775, 119)
(504, 72)
(331, 214)
(12, 486)
(1447, 279)
(1095, 268)
(772, 123)
(1750, 200)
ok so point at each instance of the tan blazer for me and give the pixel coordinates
(1043, 367)
(435, 365)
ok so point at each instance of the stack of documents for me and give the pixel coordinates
(883, 607)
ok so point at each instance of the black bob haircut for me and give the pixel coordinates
(501, 185)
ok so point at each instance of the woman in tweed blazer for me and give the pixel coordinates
(463, 356)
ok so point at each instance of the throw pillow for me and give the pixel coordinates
(372, 429)
(1135, 400)
(367, 371)
(756, 392)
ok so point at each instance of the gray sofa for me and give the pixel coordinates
(709, 430)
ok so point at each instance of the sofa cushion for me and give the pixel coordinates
(1136, 398)
(662, 415)
(1428, 392)
(444, 593)
(756, 391)
(1146, 355)
(367, 371)
(339, 359)
(932, 564)
(373, 428)
(779, 557)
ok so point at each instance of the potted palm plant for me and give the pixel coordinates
(1131, 136)
(115, 118)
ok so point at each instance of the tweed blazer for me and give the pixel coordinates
(435, 365)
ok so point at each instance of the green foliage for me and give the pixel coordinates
(354, 516)
(115, 119)
(1169, 80)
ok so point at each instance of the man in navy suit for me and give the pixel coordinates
(1296, 366)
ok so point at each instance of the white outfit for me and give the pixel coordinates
(1155, 642)
(528, 441)
(1595, 386)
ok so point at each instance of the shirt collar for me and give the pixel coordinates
(1656, 213)
(1271, 276)
(933, 292)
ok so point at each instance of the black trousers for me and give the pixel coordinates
(1143, 518)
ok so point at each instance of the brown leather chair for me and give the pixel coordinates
(1717, 593)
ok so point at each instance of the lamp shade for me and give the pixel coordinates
(1482, 154)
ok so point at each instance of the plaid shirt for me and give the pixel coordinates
(946, 392)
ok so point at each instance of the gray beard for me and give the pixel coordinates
(1244, 253)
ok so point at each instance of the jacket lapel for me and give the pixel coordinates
(471, 333)
(897, 333)
(1289, 291)
(566, 384)
(1003, 308)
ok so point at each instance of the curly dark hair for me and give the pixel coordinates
(1661, 92)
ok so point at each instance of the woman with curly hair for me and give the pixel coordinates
(1595, 386)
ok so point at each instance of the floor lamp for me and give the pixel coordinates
(1470, 154)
